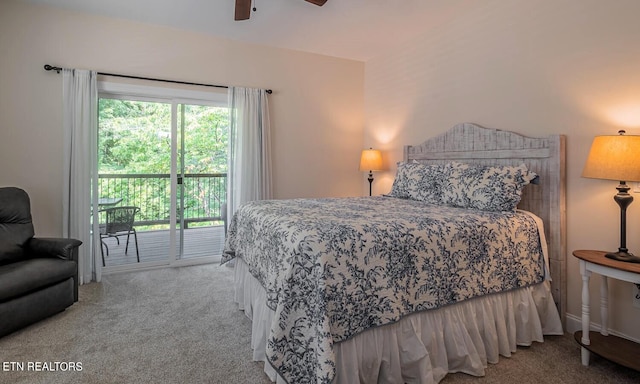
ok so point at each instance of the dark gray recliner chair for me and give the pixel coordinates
(38, 276)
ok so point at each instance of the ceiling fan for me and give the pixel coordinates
(243, 8)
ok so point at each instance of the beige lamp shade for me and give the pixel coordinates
(371, 160)
(615, 157)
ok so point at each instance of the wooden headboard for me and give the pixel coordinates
(471, 143)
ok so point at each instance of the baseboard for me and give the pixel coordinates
(574, 323)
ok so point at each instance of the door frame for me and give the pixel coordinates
(174, 95)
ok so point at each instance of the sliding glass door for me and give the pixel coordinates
(202, 141)
(168, 158)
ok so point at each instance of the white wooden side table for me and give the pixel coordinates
(619, 350)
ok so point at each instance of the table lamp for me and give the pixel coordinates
(370, 160)
(616, 157)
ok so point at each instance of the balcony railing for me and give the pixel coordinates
(204, 194)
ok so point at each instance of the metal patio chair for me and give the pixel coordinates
(118, 222)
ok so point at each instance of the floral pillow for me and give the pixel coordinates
(488, 188)
(418, 182)
(405, 175)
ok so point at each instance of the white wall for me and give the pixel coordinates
(317, 107)
(535, 67)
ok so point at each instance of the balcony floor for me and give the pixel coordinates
(154, 246)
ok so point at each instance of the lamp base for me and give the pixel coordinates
(623, 256)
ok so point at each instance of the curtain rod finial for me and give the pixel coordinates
(48, 67)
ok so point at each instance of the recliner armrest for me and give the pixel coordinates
(66, 249)
(53, 247)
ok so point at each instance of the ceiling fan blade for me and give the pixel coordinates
(319, 3)
(243, 9)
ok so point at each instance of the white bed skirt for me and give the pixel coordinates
(423, 347)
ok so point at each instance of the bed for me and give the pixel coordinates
(438, 276)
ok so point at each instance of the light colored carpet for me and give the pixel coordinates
(175, 325)
(181, 325)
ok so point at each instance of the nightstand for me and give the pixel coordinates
(616, 349)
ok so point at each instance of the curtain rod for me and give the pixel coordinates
(48, 67)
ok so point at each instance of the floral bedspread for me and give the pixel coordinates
(333, 268)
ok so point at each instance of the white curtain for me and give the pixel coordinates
(80, 127)
(249, 173)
